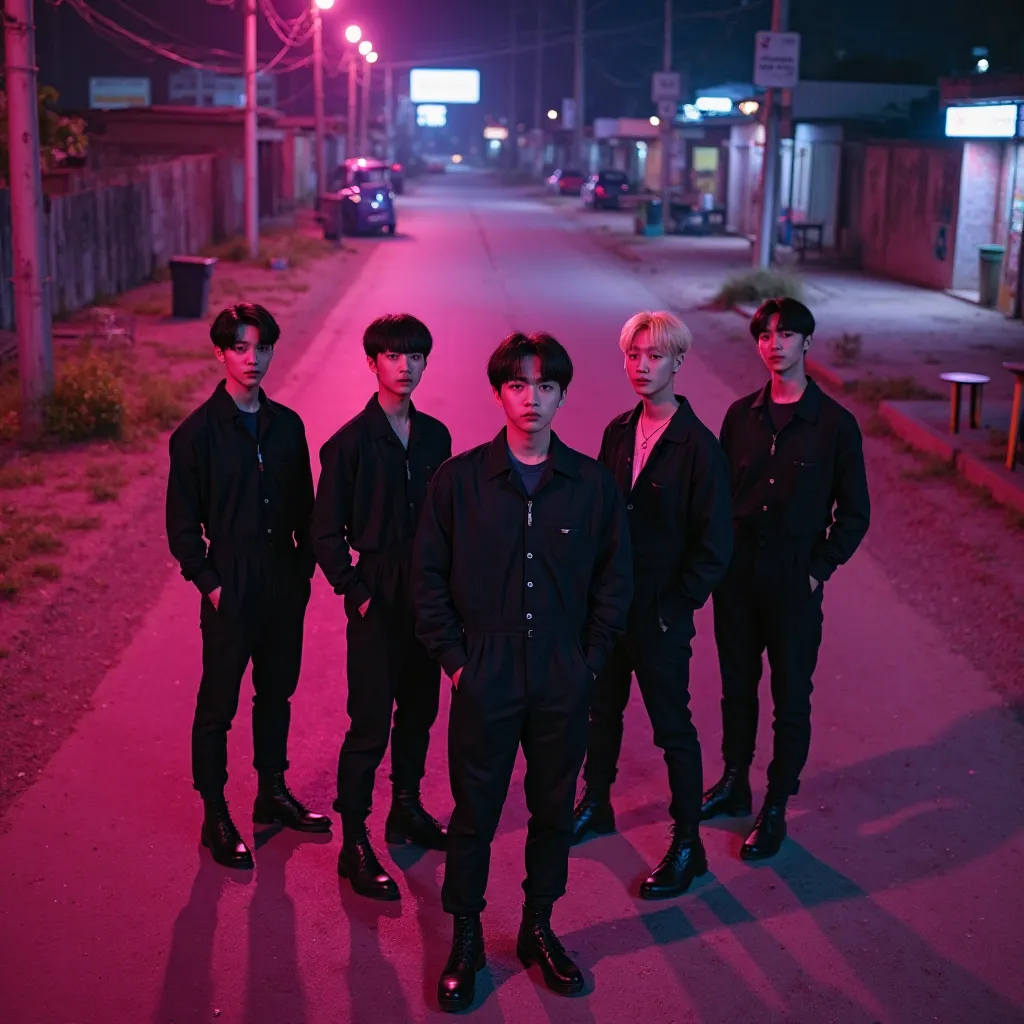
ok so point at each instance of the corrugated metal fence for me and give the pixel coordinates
(112, 237)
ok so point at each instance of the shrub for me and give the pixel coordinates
(160, 402)
(88, 400)
(757, 285)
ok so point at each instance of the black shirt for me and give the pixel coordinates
(371, 492)
(679, 512)
(780, 413)
(482, 540)
(804, 485)
(229, 492)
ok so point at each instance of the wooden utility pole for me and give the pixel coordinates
(31, 310)
(578, 87)
(252, 207)
(765, 249)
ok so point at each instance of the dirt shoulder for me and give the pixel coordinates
(951, 552)
(83, 551)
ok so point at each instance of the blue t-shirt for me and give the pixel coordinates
(530, 475)
(250, 419)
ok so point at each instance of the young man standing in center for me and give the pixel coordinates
(373, 481)
(522, 581)
(676, 482)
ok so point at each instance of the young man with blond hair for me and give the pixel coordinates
(675, 479)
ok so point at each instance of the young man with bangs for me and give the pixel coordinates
(522, 581)
(800, 509)
(373, 482)
(675, 479)
(239, 505)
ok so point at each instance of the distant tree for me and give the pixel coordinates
(62, 140)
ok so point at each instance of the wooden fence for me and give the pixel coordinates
(112, 237)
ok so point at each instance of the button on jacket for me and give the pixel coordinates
(371, 493)
(805, 487)
(231, 494)
(491, 559)
(679, 510)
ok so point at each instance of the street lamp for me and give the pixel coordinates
(318, 92)
(552, 115)
(353, 33)
(365, 47)
(372, 58)
(324, 5)
(655, 121)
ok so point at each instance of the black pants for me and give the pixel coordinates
(515, 690)
(260, 619)
(388, 672)
(766, 604)
(661, 660)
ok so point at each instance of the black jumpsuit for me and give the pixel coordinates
(526, 594)
(368, 500)
(681, 530)
(238, 517)
(800, 510)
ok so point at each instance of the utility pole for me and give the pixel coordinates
(389, 114)
(513, 116)
(31, 310)
(578, 136)
(770, 166)
(252, 207)
(350, 130)
(538, 92)
(364, 121)
(318, 101)
(666, 126)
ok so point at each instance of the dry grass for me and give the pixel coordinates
(873, 390)
(878, 426)
(931, 468)
(23, 538)
(15, 477)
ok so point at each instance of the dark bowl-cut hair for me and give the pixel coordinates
(506, 362)
(793, 316)
(224, 330)
(397, 332)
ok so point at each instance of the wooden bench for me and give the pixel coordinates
(975, 381)
(1017, 369)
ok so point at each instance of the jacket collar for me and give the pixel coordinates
(679, 427)
(224, 408)
(497, 462)
(377, 419)
(807, 408)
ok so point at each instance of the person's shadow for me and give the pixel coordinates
(187, 992)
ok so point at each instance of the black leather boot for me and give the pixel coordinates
(275, 805)
(685, 861)
(408, 822)
(359, 864)
(768, 832)
(220, 836)
(729, 795)
(593, 814)
(538, 944)
(457, 987)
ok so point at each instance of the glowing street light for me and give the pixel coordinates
(324, 5)
(353, 33)
(655, 121)
(365, 47)
(983, 65)
(552, 115)
(372, 58)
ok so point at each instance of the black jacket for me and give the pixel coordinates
(371, 492)
(679, 512)
(806, 486)
(482, 541)
(229, 492)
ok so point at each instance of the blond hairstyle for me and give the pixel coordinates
(669, 335)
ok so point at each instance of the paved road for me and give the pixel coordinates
(898, 899)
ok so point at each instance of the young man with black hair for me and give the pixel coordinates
(800, 510)
(522, 581)
(675, 479)
(239, 505)
(373, 482)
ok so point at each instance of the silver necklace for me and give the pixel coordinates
(647, 437)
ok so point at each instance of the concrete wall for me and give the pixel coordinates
(980, 183)
(911, 193)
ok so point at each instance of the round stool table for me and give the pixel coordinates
(975, 381)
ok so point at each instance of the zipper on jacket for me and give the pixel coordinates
(529, 513)
(774, 437)
(259, 456)
(408, 471)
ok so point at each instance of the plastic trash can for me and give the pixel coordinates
(331, 216)
(190, 286)
(649, 220)
(990, 269)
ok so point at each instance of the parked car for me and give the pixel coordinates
(605, 189)
(367, 170)
(435, 164)
(366, 198)
(565, 182)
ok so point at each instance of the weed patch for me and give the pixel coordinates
(872, 390)
(13, 477)
(47, 571)
(931, 468)
(878, 426)
(88, 400)
(757, 285)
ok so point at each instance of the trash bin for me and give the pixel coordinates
(990, 269)
(331, 206)
(649, 220)
(190, 286)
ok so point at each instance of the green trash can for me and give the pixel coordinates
(990, 270)
(648, 220)
(190, 286)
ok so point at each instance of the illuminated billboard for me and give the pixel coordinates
(998, 121)
(432, 115)
(432, 85)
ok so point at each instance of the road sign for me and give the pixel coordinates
(667, 110)
(665, 85)
(777, 60)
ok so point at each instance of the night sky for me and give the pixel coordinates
(910, 40)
